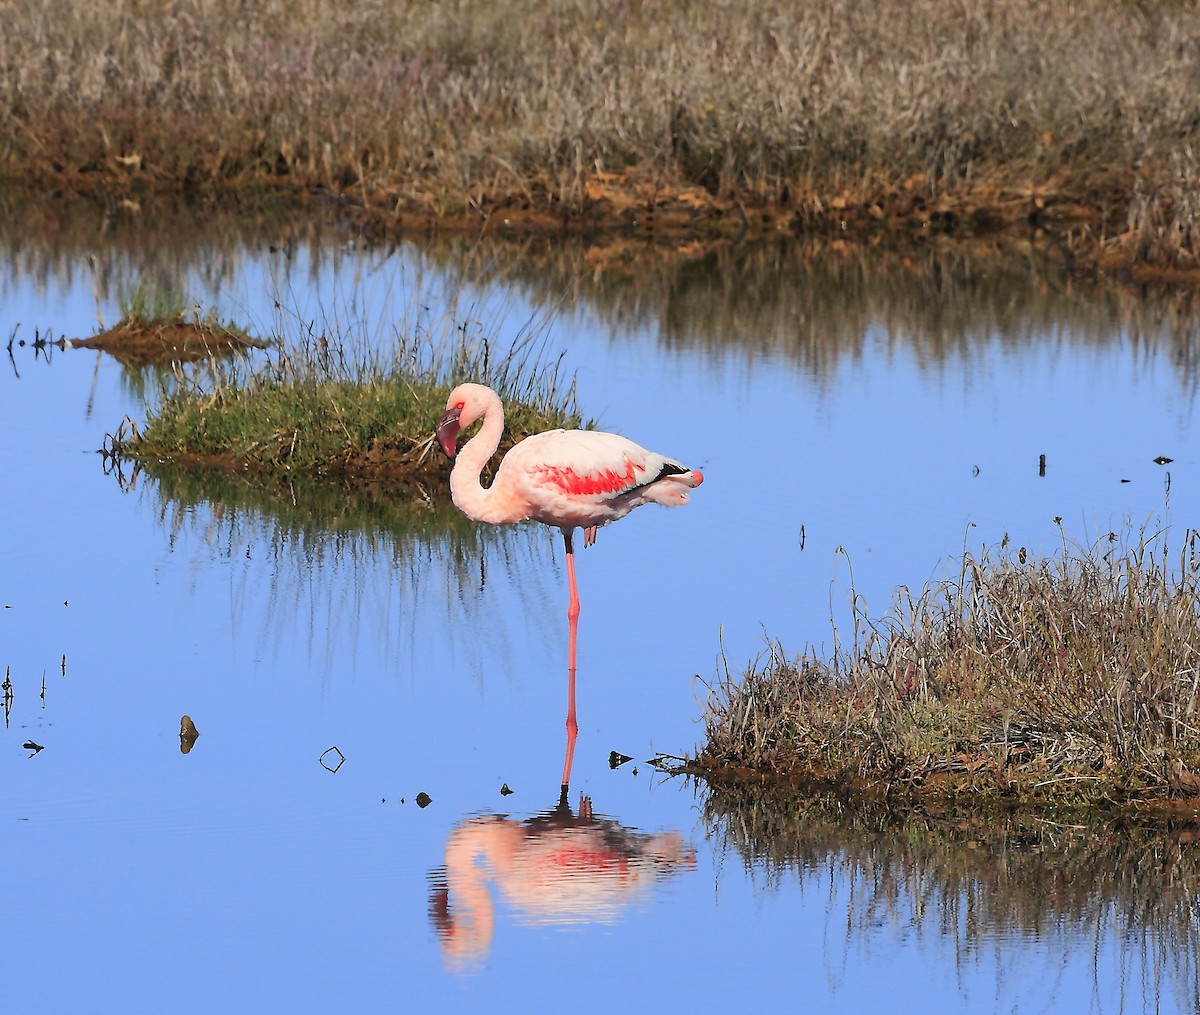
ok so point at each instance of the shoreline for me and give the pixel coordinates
(622, 216)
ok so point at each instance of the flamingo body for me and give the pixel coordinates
(565, 478)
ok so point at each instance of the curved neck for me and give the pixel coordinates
(470, 496)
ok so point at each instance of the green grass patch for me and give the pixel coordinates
(1073, 679)
(344, 407)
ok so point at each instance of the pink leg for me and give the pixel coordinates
(573, 623)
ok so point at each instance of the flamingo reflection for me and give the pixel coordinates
(554, 869)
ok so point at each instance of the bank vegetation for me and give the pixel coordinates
(340, 407)
(1071, 680)
(1080, 120)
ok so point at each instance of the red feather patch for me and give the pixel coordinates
(607, 481)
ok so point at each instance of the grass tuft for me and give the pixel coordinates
(1074, 678)
(345, 407)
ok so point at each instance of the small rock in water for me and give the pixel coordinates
(188, 733)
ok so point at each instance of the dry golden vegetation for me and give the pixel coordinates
(1074, 679)
(1082, 118)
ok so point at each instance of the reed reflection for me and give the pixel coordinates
(1034, 894)
(342, 569)
(813, 302)
(557, 868)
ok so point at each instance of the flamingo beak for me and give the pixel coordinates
(447, 431)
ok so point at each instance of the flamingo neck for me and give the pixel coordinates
(477, 502)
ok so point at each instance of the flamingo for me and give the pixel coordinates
(565, 478)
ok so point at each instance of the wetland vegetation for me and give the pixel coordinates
(155, 328)
(1069, 680)
(1080, 121)
(327, 407)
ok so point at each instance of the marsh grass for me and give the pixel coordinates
(1074, 678)
(946, 113)
(346, 406)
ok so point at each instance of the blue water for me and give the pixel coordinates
(244, 875)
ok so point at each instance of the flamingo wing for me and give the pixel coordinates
(587, 478)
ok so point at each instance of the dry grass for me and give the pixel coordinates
(1072, 679)
(946, 112)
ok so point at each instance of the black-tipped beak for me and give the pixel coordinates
(447, 431)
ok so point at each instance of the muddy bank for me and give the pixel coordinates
(137, 344)
(969, 794)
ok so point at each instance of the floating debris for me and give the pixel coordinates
(424, 800)
(188, 734)
(616, 760)
(29, 745)
(505, 791)
(1163, 460)
(1041, 465)
(326, 765)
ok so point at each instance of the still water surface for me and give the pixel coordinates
(850, 411)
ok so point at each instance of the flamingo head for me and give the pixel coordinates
(447, 430)
(467, 403)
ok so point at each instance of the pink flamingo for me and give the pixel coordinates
(566, 478)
